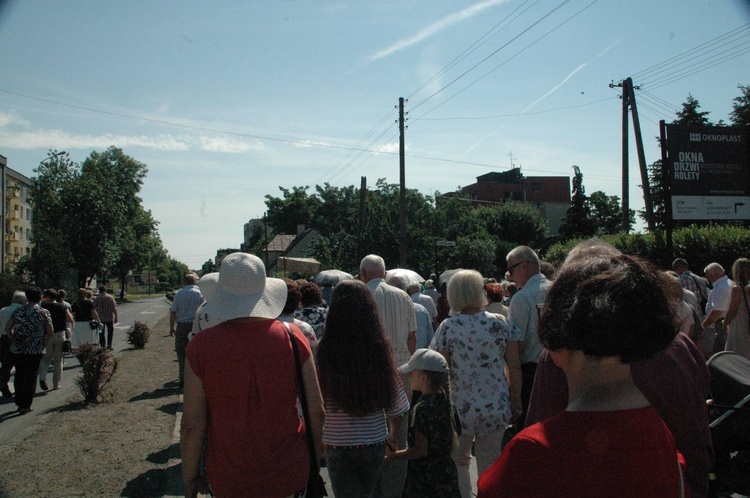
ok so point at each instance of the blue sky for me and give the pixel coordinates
(227, 101)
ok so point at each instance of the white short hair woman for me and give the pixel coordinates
(479, 345)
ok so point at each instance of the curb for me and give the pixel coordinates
(174, 486)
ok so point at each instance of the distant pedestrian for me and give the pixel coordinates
(106, 307)
(6, 358)
(293, 295)
(692, 282)
(431, 471)
(207, 284)
(737, 320)
(30, 328)
(718, 303)
(61, 317)
(61, 295)
(312, 310)
(84, 313)
(181, 316)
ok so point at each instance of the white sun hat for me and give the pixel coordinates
(208, 284)
(244, 291)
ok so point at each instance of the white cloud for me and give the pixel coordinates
(556, 87)
(221, 144)
(437, 27)
(16, 133)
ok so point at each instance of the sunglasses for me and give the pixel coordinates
(511, 267)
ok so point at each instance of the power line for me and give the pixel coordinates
(497, 116)
(358, 145)
(181, 125)
(691, 73)
(523, 32)
(504, 62)
(640, 74)
(474, 46)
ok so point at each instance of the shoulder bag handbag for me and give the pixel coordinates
(316, 486)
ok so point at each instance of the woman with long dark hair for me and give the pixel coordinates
(362, 392)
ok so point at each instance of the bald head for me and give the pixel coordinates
(397, 282)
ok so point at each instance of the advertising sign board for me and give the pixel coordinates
(709, 172)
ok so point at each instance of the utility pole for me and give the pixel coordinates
(402, 190)
(628, 103)
(362, 204)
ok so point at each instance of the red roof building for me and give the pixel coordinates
(549, 194)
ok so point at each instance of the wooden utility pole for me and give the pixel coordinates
(402, 190)
(625, 161)
(362, 204)
(628, 103)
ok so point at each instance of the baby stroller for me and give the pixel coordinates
(730, 425)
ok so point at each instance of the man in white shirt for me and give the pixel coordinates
(525, 307)
(718, 302)
(415, 293)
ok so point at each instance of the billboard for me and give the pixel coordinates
(709, 172)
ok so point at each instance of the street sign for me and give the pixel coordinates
(445, 243)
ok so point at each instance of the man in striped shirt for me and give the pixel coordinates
(182, 312)
(106, 308)
(396, 311)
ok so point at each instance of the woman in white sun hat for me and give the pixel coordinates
(242, 372)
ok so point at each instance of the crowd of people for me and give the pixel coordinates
(35, 330)
(586, 380)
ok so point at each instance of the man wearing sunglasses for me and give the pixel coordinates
(524, 310)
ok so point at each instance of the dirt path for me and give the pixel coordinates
(117, 448)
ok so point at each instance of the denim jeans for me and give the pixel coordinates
(354, 471)
(110, 329)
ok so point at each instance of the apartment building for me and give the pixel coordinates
(16, 215)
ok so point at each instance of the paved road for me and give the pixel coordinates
(14, 427)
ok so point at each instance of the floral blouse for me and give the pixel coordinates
(476, 344)
(315, 316)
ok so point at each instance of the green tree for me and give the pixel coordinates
(51, 256)
(477, 253)
(740, 115)
(658, 196)
(690, 115)
(89, 218)
(295, 207)
(577, 222)
(606, 213)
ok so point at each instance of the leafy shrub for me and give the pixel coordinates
(97, 368)
(699, 245)
(138, 335)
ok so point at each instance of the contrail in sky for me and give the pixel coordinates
(437, 27)
(556, 87)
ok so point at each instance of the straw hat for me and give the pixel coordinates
(244, 291)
